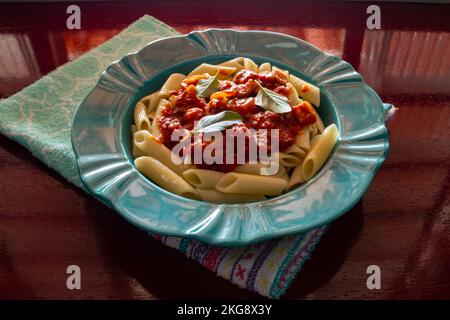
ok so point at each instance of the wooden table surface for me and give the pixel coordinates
(402, 224)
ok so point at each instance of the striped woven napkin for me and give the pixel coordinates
(39, 118)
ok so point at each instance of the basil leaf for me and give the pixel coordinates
(217, 127)
(217, 122)
(272, 101)
(206, 87)
(214, 118)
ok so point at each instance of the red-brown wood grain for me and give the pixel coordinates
(402, 223)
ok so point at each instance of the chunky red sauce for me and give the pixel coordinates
(238, 96)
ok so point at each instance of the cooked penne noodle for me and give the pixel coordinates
(172, 83)
(256, 168)
(321, 147)
(315, 140)
(173, 99)
(136, 152)
(237, 63)
(303, 139)
(146, 100)
(293, 95)
(313, 130)
(141, 120)
(155, 128)
(285, 177)
(283, 172)
(283, 73)
(306, 90)
(165, 177)
(288, 160)
(150, 146)
(153, 102)
(249, 64)
(212, 70)
(319, 124)
(215, 196)
(233, 182)
(296, 151)
(295, 178)
(151, 115)
(150, 101)
(265, 67)
(238, 60)
(201, 178)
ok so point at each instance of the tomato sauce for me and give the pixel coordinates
(237, 95)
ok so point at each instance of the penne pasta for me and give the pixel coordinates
(141, 120)
(155, 128)
(255, 168)
(239, 60)
(288, 160)
(150, 146)
(173, 99)
(296, 178)
(136, 152)
(249, 64)
(215, 196)
(306, 90)
(237, 63)
(282, 73)
(282, 173)
(201, 178)
(265, 67)
(212, 70)
(295, 151)
(303, 139)
(172, 83)
(165, 177)
(315, 140)
(321, 147)
(319, 124)
(146, 100)
(293, 95)
(151, 115)
(151, 101)
(252, 184)
(285, 177)
(313, 131)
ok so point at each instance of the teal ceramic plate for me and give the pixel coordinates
(101, 140)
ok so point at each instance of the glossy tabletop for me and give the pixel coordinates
(402, 224)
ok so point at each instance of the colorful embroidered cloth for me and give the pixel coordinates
(39, 117)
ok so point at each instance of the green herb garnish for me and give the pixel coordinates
(272, 101)
(206, 87)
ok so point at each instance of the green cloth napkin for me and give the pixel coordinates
(40, 116)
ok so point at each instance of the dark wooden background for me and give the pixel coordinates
(402, 224)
